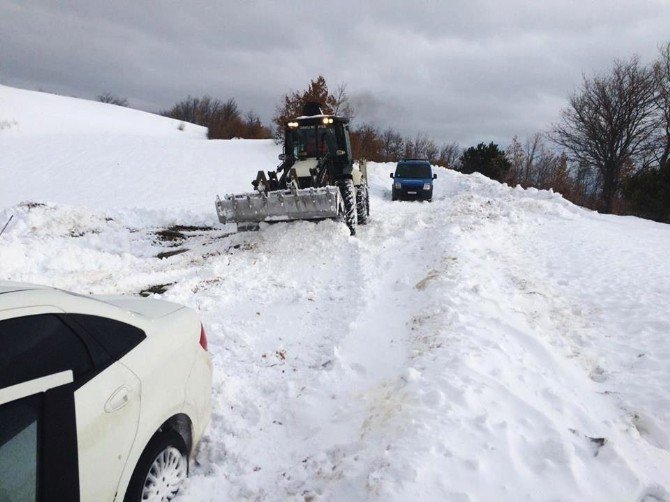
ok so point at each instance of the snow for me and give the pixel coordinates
(496, 344)
(84, 153)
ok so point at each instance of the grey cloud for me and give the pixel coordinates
(459, 70)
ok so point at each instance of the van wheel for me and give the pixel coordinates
(161, 469)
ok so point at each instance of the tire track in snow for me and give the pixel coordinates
(366, 409)
(275, 319)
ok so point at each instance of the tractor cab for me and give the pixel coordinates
(316, 137)
(317, 142)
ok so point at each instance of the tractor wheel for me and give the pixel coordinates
(362, 204)
(348, 192)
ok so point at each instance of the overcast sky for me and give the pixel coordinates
(455, 70)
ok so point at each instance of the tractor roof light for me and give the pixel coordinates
(325, 120)
(293, 124)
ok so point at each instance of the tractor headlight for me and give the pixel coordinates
(426, 186)
(397, 185)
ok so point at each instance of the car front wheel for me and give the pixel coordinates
(160, 471)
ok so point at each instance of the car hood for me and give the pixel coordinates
(147, 307)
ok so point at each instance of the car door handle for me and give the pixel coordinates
(118, 399)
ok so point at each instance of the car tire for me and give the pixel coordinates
(165, 458)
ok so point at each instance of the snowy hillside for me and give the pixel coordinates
(73, 151)
(31, 113)
(497, 344)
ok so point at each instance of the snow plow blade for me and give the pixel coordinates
(250, 209)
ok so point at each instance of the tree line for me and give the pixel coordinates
(223, 119)
(609, 151)
(615, 132)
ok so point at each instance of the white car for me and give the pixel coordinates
(102, 398)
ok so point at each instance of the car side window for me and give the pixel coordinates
(116, 337)
(18, 450)
(39, 345)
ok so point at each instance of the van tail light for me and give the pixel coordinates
(203, 337)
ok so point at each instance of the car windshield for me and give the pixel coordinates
(413, 170)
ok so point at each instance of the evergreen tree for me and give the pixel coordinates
(488, 160)
(648, 193)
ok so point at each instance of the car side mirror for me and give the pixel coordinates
(282, 156)
(391, 175)
(434, 176)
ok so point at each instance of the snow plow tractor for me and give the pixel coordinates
(317, 179)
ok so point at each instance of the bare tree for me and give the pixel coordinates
(343, 106)
(227, 120)
(222, 119)
(523, 160)
(366, 143)
(393, 145)
(533, 164)
(195, 110)
(533, 145)
(317, 91)
(521, 157)
(253, 128)
(449, 154)
(111, 99)
(418, 147)
(662, 74)
(609, 122)
(431, 150)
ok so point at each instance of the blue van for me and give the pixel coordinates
(413, 179)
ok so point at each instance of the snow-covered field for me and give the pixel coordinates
(497, 344)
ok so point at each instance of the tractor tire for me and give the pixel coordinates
(362, 204)
(348, 192)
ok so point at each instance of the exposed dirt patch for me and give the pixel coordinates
(189, 228)
(158, 289)
(169, 235)
(167, 254)
(178, 233)
(32, 205)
